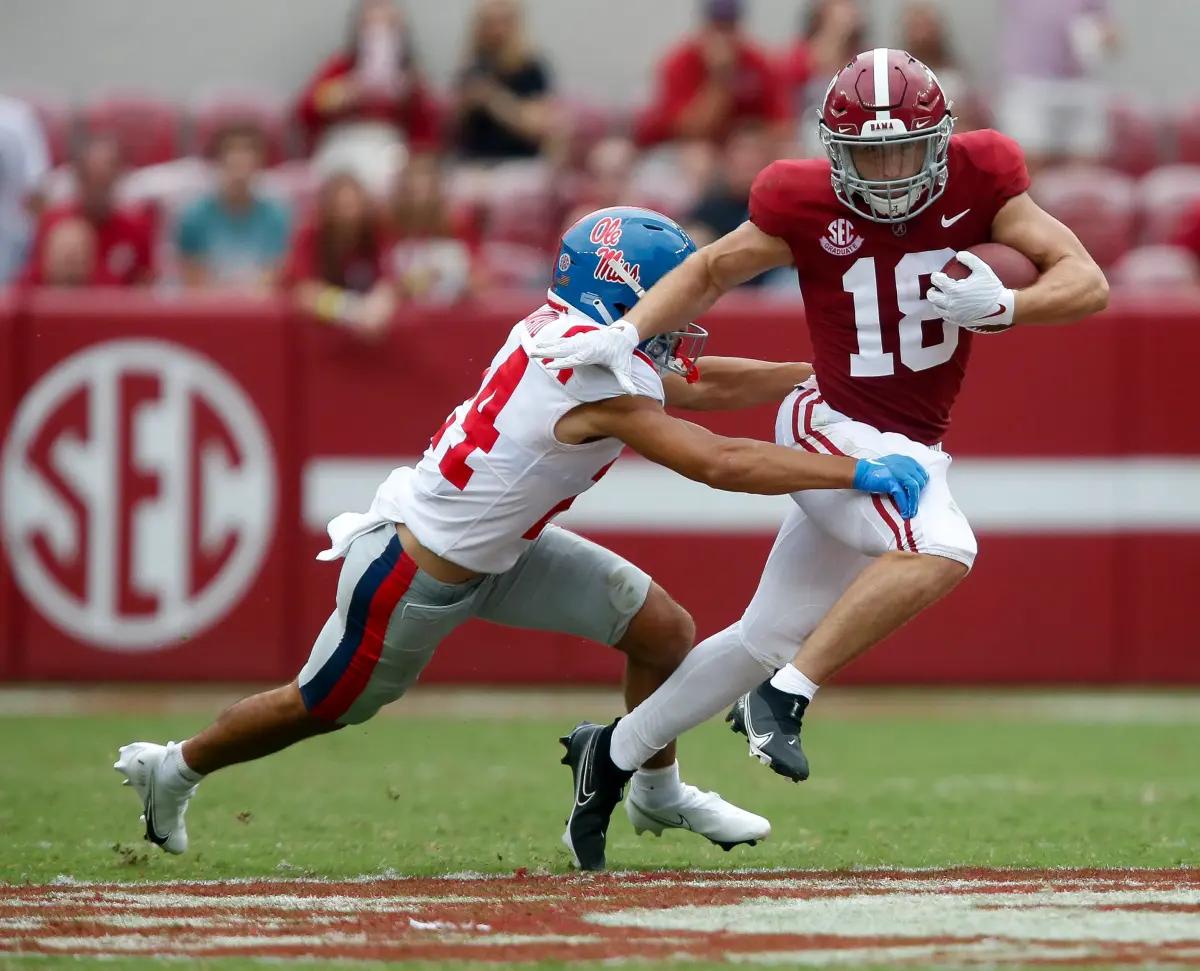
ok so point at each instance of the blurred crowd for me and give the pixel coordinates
(373, 189)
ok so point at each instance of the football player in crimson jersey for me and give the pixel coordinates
(868, 229)
(467, 533)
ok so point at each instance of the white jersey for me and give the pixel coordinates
(495, 474)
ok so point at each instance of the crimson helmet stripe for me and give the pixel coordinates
(883, 80)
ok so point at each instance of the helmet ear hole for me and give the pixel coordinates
(622, 308)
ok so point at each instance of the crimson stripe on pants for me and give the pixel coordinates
(810, 398)
(882, 510)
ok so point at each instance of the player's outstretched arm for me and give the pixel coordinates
(738, 464)
(677, 299)
(1071, 285)
(700, 281)
(730, 383)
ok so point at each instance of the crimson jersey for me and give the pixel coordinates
(882, 354)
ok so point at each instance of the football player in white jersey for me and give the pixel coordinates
(467, 533)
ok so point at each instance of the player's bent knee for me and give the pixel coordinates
(940, 572)
(770, 648)
(661, 633)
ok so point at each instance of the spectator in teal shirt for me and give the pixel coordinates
(234, 237)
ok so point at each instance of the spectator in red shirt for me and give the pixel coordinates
(90, 241)
(712, 81)
(374, 78)
(335, 268)
(432, 246)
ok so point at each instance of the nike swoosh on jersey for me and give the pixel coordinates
(947, 223)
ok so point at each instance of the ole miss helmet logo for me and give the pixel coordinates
(841, 238)
(607, 231)
(604, 268)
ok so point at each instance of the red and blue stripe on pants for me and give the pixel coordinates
(342, 678)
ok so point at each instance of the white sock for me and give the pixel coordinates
(657, 787)
(175, 770)
(789, 679)
(716, 673)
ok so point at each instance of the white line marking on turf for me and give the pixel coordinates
(186, 944)
(1043, 915)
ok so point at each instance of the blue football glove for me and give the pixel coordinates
(897, 476)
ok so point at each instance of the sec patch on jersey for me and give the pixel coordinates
(1013, 267)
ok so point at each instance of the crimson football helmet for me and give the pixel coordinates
(891, 105)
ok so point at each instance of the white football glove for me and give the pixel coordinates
(979, 302)
(611, 347)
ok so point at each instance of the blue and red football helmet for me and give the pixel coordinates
(610, 258)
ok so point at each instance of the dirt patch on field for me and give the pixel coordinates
(955, 917)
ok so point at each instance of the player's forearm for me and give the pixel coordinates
(1072, 288)
(745, 465)
(678, 298)
(730, 383)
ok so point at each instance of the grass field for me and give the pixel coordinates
(900, 781)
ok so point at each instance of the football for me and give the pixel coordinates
(1014, 268)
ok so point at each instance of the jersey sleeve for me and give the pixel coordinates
(771, 208)
(786, 194)
(1000, 162)
(594, 383)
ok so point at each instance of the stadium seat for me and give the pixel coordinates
(293, 183)
(1156, 267)
(220, 109)
(1135, 139)
(148, 128)
(57, 120)
(530, 220)
(514, 265)
(518, 199)
(1164, 196)
(587, 123)
(1099, 204)
(1187, 139)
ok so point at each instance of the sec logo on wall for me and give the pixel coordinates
(139, 494)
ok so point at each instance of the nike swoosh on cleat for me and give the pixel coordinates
(151, 831)
(758, 741)
(680, 822)
(582, 796)
(947, 223)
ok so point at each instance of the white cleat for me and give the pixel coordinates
(163, 805)
(705, 813)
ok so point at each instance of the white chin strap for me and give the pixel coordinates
(622, 270)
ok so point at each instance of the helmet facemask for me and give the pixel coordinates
(677, 351)
(890, 200)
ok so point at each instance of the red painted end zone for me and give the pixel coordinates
(953, 917)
